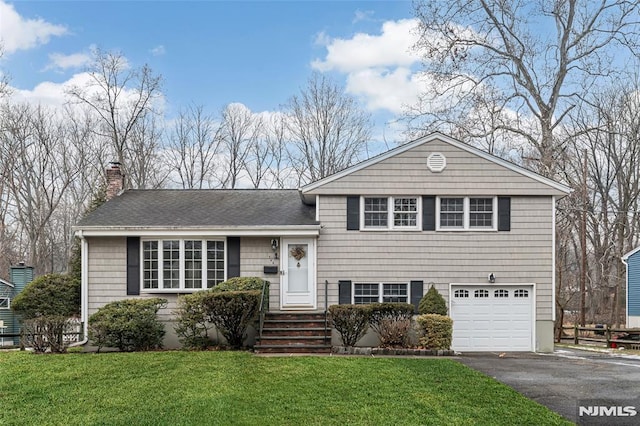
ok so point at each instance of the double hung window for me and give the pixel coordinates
(380, 293)
(467, 213)
(391, 212)
(376, 213)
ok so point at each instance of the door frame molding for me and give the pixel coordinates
(284, 257)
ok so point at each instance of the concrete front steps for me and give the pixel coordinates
(294, 333)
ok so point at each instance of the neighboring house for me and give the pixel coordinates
(632, 260)
(20, 276)
(6, 314)
(433, 211)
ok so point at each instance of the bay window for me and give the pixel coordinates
(176, 264)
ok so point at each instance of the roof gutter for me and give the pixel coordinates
(142, 231)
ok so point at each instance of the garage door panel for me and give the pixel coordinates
(499, 322)
(504, 324)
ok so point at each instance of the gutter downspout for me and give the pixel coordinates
(84, 289)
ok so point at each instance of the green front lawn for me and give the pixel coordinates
(193, 388)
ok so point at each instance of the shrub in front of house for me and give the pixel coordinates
(47, 306)
(191, 324)
(241, 284)
(129, 325)
(435, 330)
(245, 284)
(232, 312)
(394, 333)
(432, 303)
(392, 322)
(46, 333)
(350, 321)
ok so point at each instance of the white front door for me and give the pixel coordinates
(298, 284)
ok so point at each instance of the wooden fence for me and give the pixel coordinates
(610, 337)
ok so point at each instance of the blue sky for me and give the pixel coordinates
(218, 52)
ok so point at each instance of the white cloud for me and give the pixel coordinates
(362, 15)
(18, 33)
(391, 48)
(385, 90)
(49, 93)
(54, 94)
(62, 62)
(158, 50)
(322, 39)
(378, 67)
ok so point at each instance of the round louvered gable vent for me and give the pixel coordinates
(436, 162)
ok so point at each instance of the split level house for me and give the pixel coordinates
(434, 211)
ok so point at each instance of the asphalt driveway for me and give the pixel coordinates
(561, 380)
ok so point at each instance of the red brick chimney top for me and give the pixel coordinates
(115, 180)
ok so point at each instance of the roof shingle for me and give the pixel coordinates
(202, 208)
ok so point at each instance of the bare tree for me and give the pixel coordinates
(120, 96)
(4, 78)
(240, 130)
(192, 149)
(608, 130)
(259, 158)
(542, 56)
(328, 129)
(43, 164)
(143, 157)
(8, 225)
(279, 174)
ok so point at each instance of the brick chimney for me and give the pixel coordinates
(115, 180)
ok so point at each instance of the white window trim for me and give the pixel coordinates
(390, 214)
(466, 213)
(8, 299)
(380, 290)
(181, 288)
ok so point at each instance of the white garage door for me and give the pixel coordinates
(492, 318)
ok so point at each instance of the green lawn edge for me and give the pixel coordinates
(185, 388)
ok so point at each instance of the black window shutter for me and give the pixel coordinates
(416, 293)
(233, 257)
(504, 213)
(133, 266)
(353, 213)
(429, 213)
(344, 292)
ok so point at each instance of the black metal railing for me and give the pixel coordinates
(326, 310)
(264, 306)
